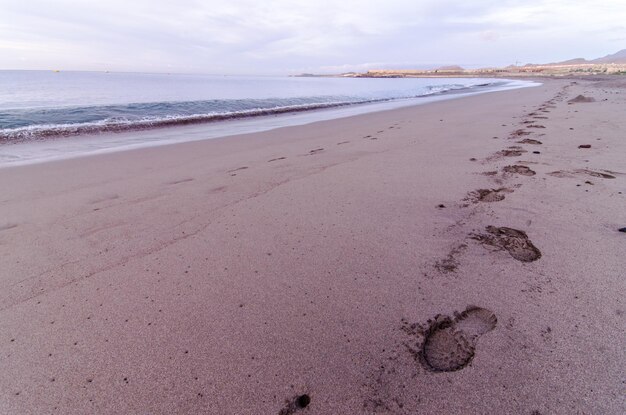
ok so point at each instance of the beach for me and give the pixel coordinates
(458, 257)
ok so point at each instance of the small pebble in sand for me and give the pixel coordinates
(536, 152)
(622, 230)
(441, 206)
(584, 146)
(303, 401)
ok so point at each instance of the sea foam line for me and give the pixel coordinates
(43, 131)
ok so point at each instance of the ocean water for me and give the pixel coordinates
(36, 106)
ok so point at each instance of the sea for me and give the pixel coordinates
(58, 114)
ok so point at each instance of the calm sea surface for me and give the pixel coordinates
(36, 105)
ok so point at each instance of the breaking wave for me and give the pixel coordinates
(40, 123)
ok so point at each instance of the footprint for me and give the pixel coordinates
(571, 174)
(488, 195)
(581, 98)
(342, 142)
(514, 241)
(237, 169)
(511, 152)
(561, 174)
(450, 343)
(519, 169)
(519, 133)
(596, 173)
(530, 141)
(276, 159)
(450, 263)
(315, 151)
(188, 179)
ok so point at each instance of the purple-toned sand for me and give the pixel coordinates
(398, 262)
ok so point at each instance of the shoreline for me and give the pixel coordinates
(83, 129)
(237, 274)
(170, 132)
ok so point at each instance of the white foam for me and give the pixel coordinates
(37, 151)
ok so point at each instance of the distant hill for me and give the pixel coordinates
(451, 68)
(577, 61)
(607, 65)
(619, 57)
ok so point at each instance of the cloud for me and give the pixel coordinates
(282, 36)
(489, 35)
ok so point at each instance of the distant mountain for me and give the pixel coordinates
(619, 57)
(577, 61)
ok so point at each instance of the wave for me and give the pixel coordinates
(120, 118)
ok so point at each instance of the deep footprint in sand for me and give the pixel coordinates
(530, 141)
(513, 151)
(450, 343)
(519, 169)
(519, 133)
(514, 241)
(488, 195)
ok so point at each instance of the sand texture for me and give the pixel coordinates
(460, 257)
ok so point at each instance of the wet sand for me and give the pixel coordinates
(456, 257)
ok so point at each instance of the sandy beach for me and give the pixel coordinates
(459, 257)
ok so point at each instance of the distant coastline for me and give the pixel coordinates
(614, 64)
(506, 72)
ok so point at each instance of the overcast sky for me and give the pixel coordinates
(292, 36)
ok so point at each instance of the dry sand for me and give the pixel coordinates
(232, 276)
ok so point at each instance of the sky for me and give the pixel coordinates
(274, 37)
